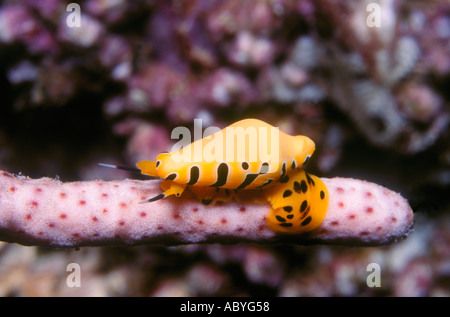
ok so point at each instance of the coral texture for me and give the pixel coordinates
(51, 213)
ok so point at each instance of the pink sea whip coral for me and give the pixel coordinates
(47, 212)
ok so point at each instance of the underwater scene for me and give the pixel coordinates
(225, 148)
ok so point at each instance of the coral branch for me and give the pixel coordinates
(47, 212)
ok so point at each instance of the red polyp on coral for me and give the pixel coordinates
(366, 211)
(54, 215)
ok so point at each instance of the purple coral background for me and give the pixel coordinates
(375, 101)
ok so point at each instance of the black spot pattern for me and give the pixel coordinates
(249, 178)
(297, 187)
(306, 160)
(305, 213)
(309, 179)
(245, 165)
(303, 186)
(303, 206)
(222, 175)
(293, 165)
(267, 182)
(283, 177)
(306, 221)
(171, 177)
(195, 173)
(247, 181)
(207, 201)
